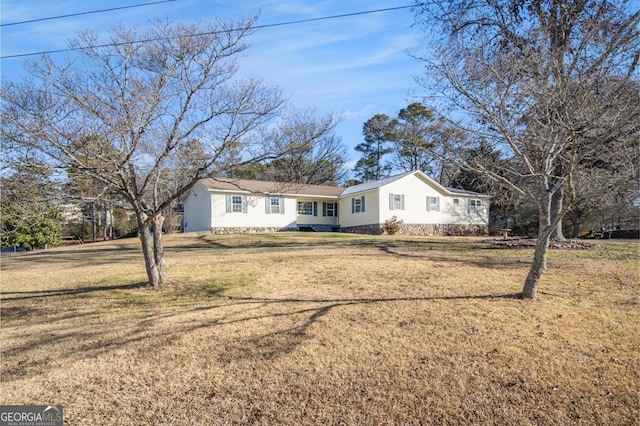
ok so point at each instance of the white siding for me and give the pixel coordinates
(371, 212)
(319, 219)
(255, 215)
(415, 191)
(197, 209)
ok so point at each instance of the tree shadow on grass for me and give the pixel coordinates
(38, 294)
(466, 256)
(266, 241)
(65, 335)
(282, 341)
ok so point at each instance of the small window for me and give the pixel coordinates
(305, 208)
(396, 201)
(274, 205)
(456, 201)
(433, 204)
(237, 204)
(357, 205)
(475, 206)
(330, 209)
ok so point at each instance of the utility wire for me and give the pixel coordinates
(85, 13)
(278, 24)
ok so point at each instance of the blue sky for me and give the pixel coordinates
(356, 66)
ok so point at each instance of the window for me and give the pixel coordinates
(274, 205)
(307, 208)
(433, 204)
(357, 205)
(236, 204)
(475, 206)
(456, 201)
(330, 209)
(396, 201)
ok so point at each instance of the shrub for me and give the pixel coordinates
(392, 226)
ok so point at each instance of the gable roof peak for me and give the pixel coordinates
(376, 184)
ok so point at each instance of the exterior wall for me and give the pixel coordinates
(197, 209)
(370, 215)
(416, 191)
(207, 211)
(255, 215)
(319, 219)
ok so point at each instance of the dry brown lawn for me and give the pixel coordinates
(326, 329)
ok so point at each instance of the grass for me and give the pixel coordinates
(303, 328)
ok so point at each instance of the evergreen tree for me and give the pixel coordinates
(377, 135)
(29, 203)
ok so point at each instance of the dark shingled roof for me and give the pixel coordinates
(272, 188)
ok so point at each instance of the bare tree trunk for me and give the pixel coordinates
(548, 222)
(105, 210)
(556, 210)
(84, 220)
(576, 228)
(153, 251)
(158, 250)
(148, 253)
(94, 229)
(538, 266)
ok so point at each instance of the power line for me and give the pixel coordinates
(85, 13)
(278, 24)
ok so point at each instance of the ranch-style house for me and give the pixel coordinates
(225, 206)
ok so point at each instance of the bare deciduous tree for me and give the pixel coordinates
(167, 98)
(551, 84)
(316, 155)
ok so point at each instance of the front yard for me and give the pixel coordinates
(305, 328)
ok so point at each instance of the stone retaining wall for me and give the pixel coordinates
(248, 230)
(423, 229)
(432, 229)
(375, 229)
